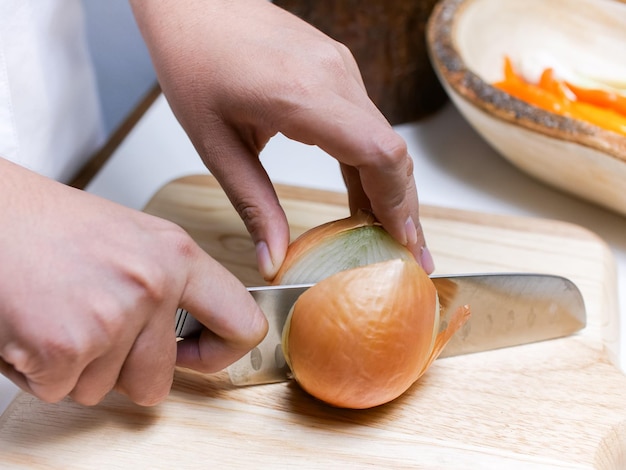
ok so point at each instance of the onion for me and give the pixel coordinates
(335, 246)
(370, 326)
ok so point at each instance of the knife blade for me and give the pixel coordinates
(508, 309)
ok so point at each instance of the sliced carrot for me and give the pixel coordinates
(509, 72)
(549, 82)
(602, 117)
(553, 95)
(602, 98)
(534, 95)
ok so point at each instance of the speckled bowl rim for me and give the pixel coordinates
(453, 72)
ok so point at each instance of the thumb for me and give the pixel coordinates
(233, 322)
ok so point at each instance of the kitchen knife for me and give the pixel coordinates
(508, 309)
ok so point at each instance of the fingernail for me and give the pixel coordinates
(264, 259)
(426, 260)
(411, 231)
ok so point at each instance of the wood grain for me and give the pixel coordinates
(556, 404)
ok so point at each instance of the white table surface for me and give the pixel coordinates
(454, 168)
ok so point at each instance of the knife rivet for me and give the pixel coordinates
(256, 359)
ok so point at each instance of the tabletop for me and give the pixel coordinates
(454, 167)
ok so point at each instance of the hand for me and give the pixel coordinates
(89, 291)
(236, 73)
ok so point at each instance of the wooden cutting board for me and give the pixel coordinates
(555, 404)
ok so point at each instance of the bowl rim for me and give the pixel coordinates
(453, 72)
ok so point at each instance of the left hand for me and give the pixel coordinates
(236, 73)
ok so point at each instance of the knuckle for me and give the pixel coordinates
(49, 369)
(248, 211)
(153, 274)
(109, 319)
(389, 168)
(390, 151)
(58, 349)
(251, 215)
(182, 243)
(332, 55)
(329, 64)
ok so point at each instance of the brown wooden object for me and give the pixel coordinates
(388, 41)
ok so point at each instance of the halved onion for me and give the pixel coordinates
(370, 326)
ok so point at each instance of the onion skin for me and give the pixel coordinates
(336, 241)
(362, 337)
(312, 237)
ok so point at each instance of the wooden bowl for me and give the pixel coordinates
(467, 42)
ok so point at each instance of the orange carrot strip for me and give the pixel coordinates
(602, 98)
(509, 72)
(548, 82)
(602, 117)
(534, 95)
(551, 95)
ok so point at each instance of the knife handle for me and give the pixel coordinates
(186, 325)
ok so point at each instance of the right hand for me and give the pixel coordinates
(89, 291)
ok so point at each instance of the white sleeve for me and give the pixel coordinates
(50, 117)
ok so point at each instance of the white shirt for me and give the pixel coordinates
(50, 118)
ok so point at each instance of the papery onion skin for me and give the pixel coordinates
(360, 338)
(321, 251)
